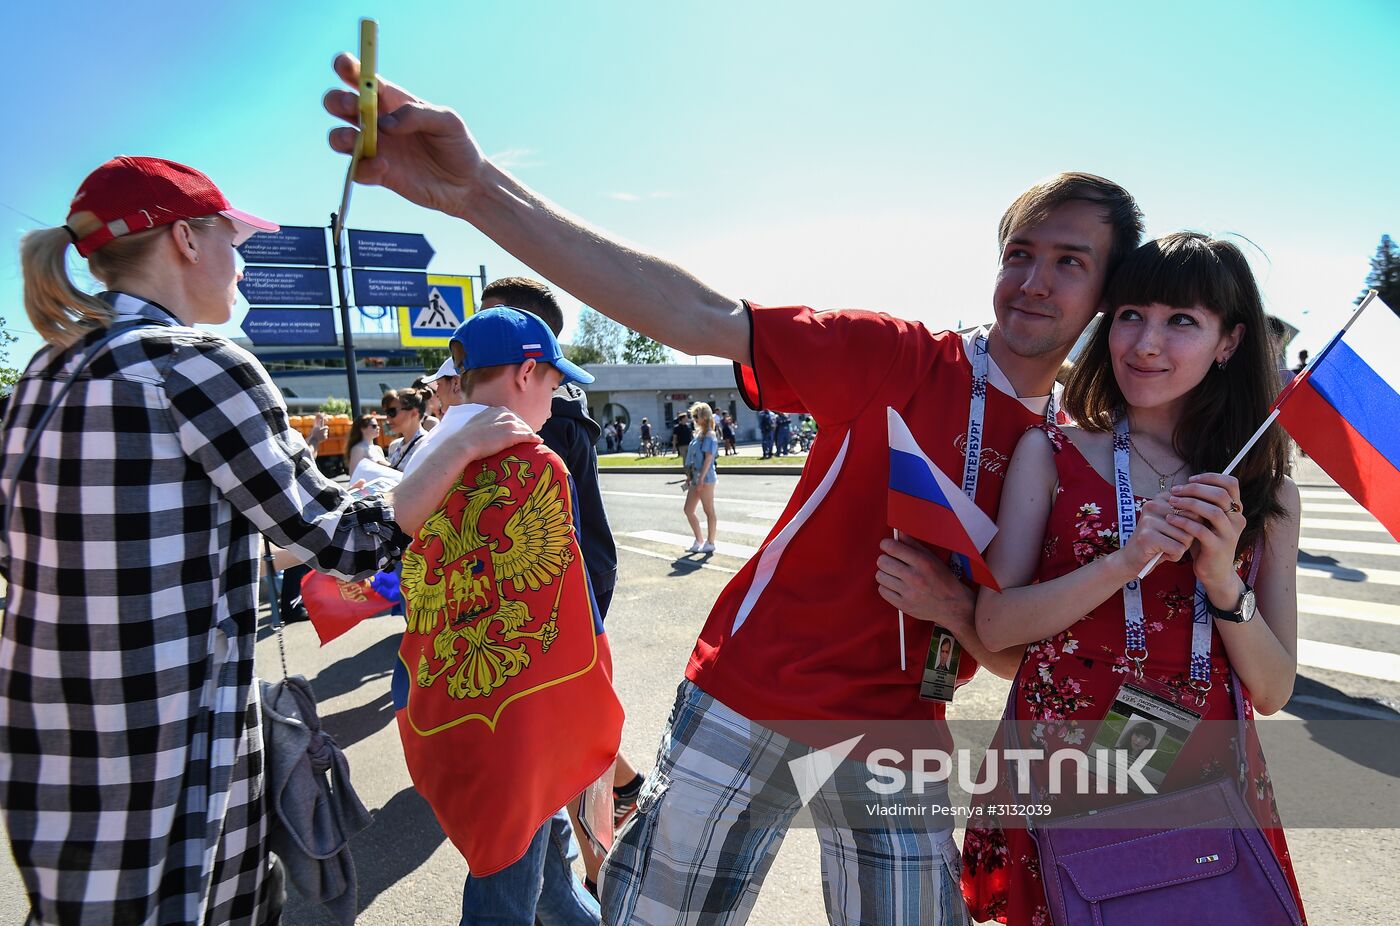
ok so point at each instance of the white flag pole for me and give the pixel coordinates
(901, 625)
(1239, 457)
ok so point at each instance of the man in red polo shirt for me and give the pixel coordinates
(806, 637)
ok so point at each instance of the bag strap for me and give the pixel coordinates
(118, 327)
(274, 605)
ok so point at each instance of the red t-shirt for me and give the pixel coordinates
(801, 633)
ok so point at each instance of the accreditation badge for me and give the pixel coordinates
(941, 667)
(1142, 735)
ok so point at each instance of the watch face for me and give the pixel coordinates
(1246, 609)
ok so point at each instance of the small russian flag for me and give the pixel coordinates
(925, 503)
(532, 350)
(1344, 407)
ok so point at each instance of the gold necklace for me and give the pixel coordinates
(1161, 476)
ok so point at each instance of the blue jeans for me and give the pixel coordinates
(541, 884)
(767, 443)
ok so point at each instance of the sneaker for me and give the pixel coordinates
(624, 806)
(695, 547)
(707, 548)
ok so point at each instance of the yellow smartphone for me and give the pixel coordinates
(369, 87)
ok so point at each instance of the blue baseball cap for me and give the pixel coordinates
(504, 335)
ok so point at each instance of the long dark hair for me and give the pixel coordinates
(357, 433)
(1186, 269)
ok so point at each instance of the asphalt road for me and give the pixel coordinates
(1350, 670)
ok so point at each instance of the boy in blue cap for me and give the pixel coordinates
(506, 357)
(509, 357)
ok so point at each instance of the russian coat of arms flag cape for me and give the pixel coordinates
(1344, 410)
(923, 502)
(503, 686)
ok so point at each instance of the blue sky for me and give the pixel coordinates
(830, 154)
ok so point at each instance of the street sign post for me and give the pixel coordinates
(286, 286)
(292, 244)
(397, 250)
(450, 301)
(300, 327)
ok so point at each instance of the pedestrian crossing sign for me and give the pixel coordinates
(450, 301)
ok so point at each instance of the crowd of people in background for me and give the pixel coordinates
(780, 434)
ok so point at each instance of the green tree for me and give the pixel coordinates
(335, 406)
(583, 354)
(638, 348)
(8, 374)
(1384, 277)
(431, 358)
(602, 334)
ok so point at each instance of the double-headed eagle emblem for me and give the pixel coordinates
(458, 575)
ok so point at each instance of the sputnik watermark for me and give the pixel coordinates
(1106, 771)
(1113, 771)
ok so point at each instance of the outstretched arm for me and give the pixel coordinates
(427, 155)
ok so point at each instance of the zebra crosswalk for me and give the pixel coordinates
(1342, 575)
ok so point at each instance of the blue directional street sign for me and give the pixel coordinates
(386, 287)
(408, 251)
(292, 244)
(285, 286)
(290, 326)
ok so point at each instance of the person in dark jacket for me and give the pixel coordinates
(572, 434)
(681, 435)
(782, 434)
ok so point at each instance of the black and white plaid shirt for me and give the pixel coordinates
(130, 741)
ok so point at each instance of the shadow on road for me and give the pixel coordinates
(686, 566)
(345, 675)
(1371, 740)
(404, 834)
(350, 726)
(1329, 563)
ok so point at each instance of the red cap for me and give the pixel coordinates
(133, 194)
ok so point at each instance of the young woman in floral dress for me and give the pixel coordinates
(1184, 355)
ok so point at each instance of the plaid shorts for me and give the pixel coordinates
(716, 807)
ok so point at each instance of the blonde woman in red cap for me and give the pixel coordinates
(142, 459)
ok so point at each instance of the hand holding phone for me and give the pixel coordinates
(319, 430)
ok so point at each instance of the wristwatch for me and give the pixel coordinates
(1243, 612)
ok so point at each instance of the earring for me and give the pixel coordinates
(1221, 364)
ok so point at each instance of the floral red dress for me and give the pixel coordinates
(1069, 681)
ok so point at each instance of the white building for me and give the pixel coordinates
(308, 376)
(660, 391)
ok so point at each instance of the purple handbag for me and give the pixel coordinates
(1195, 855)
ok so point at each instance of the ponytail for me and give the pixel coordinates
(57, 309)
